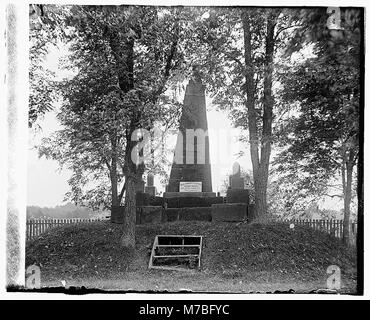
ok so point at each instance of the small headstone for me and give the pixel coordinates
(235, 181)
(150, 188)
(248, 181)
(150, 180)
(236, 169)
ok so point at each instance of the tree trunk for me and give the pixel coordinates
(250, 104)
(113, 174)
(268, 103)
(114, 194)
(129, 222)
(347, 197)
(132, 174)
(123, 53)
(260, 198)
(260, 163)
(360, 215)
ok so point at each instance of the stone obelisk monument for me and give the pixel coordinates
(191, 169)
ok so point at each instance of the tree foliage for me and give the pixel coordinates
(320, 138)
(96, 111)
(242, 48)
(40, 79)
(126, 59)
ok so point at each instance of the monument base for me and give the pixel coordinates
(188, 194)
(238, 196)
(229, 212)
(149, 214)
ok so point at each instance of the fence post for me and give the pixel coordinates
(33, 229)
(27, 230)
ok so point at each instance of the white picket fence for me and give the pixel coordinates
(332, 226)
(35, 227)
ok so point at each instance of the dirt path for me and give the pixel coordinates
(200, 282)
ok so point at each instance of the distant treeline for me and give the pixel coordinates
(68, 210)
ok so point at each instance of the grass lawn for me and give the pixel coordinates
(235, 258)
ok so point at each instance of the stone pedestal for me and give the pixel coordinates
(236, 182)
(229, 212)
(149, 214)
(237, 196)
(187, 214)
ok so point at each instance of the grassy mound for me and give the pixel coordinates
(230, 250)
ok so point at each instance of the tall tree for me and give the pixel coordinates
(126, 57)
(242, 46)
(321, 139)
(260, 148)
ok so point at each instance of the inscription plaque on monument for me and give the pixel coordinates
(190, 186)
